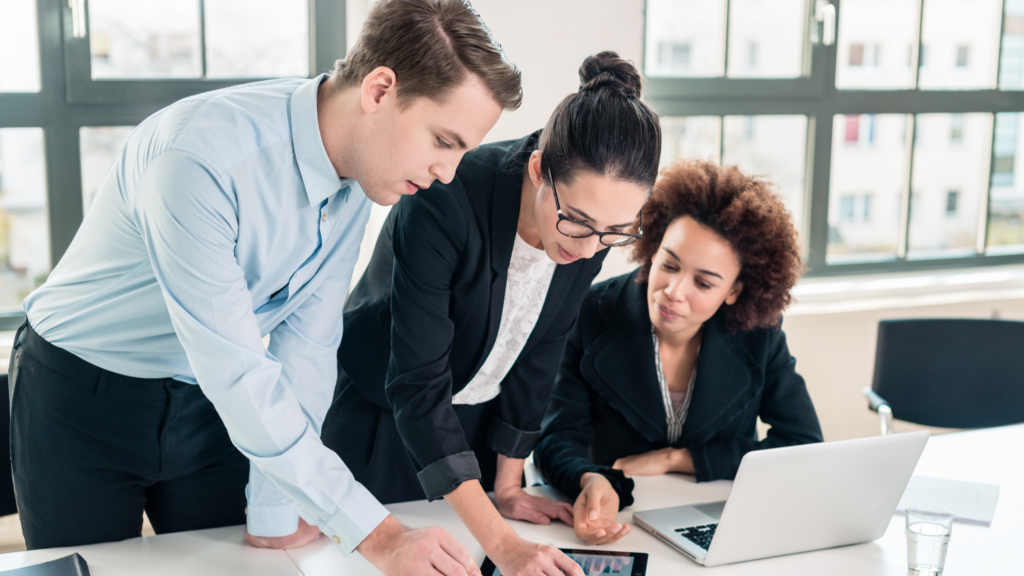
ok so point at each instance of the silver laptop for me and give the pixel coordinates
(795, 499)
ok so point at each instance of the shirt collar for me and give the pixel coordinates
(318, 174)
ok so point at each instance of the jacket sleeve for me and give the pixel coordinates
(526, 389)
(785, 406)
(428, 239)
(563, 452)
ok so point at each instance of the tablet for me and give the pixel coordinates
(594, 562)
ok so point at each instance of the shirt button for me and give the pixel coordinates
(323, 218)
(336, 539)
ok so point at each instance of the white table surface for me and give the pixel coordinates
(992, 456)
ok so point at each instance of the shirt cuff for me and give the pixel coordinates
(510, 441)
(355, 520)
(268, 513)
(445, 475)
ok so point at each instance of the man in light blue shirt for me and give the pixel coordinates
(227, 217)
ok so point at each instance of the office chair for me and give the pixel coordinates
(7, 502)
(949, 373)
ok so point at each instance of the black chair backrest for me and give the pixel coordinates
(952, 373)
(7, 503)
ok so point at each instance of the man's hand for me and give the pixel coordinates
(304, 535)
(399, 551)
(595, 511)
(516, 504)
(656, 462)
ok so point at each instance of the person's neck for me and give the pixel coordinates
(337, 116)
(679, 340)
(527, 227)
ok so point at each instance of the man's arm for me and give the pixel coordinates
(188, 221)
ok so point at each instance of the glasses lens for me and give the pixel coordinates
(574, 229)
(617, 240)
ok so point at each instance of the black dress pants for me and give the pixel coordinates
(91, 449)
(366, 437)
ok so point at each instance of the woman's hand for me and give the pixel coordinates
(516, 504)
(518, 557)
(656, 462)
(595, 512)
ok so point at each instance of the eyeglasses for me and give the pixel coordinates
(575, 229)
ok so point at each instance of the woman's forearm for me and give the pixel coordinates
(509, 474)
(477, 512)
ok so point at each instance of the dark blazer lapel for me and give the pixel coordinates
(620, 361)
(725, 383)
(504, 221)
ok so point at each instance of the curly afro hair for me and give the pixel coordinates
(744, 211)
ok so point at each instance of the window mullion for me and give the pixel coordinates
(202, 39)
(328, 34)
(725, 53)
(908, 190)
(986, 196)
(915, 59)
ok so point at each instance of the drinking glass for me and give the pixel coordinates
(928, 530)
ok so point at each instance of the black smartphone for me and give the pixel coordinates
(594, 562)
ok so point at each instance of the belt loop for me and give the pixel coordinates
(101, 385)
(21, 330)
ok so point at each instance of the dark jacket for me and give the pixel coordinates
(423, 318)
(607, 402)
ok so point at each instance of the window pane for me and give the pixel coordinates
(685, 38)
(774, 147)
(98, 147)
(867, 179)
(767, 39)
(257, 38)
(693, 138)
(948, 181)
(24, 229)
(961, 43)
(152, 39)
(1011, 70)
(1006, 202)
(876, 43)
(19, 46)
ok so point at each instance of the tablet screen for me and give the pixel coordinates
(597, 563)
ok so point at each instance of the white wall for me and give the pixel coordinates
(548, 40)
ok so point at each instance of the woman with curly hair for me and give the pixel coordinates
(669, 366)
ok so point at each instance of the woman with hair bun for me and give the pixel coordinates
(670, 366)
(454, 334)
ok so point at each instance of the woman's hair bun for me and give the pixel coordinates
(606, 71)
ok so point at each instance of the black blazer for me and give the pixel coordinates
(424, 316)
(607, 402)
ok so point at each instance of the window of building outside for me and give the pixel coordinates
(894, 148)
(131, 59)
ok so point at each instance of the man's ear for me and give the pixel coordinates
(734, 294)
(379, 84)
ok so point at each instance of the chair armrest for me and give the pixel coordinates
(874, 400)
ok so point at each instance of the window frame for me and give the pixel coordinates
(68, 100)
(817, 97)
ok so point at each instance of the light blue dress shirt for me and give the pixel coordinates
(220, 221)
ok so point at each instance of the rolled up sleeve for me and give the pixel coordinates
(272, 409)
(427, 240)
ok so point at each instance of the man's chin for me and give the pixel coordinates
(383, 197)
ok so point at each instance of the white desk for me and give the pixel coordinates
(993, 456)
(219, 551)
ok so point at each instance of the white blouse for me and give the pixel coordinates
(529, 277)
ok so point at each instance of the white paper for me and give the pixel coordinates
(970, 501)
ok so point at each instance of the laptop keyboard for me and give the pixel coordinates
(699, 535)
